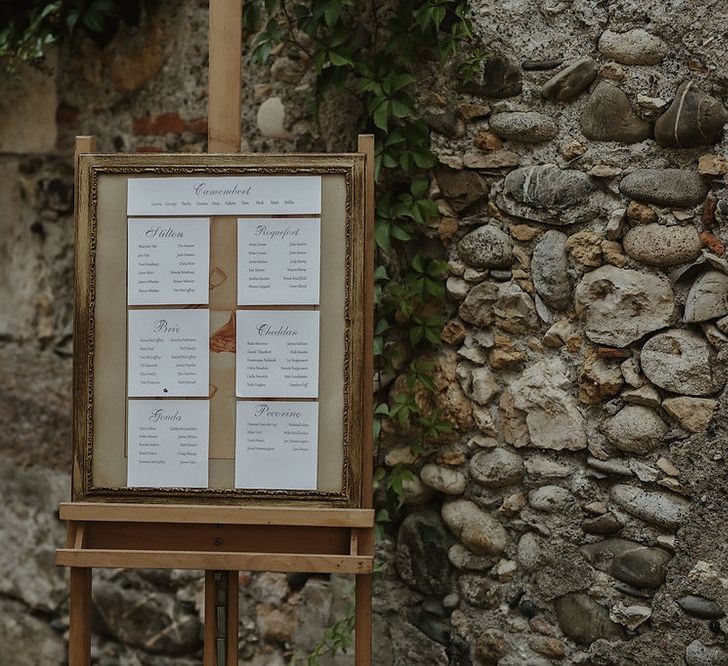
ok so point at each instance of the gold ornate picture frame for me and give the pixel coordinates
(100, 333)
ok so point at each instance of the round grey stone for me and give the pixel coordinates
(635, 429)
(682, 362)
(496, 468)
(659, 245)
(550, 498)
(675, 188)
(524, 126)
(477, 529)
(660, 508)
(699, 654)
(486, 247)
(548, 186)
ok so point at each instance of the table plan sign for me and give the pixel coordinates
(224, 301)
(279, 261)
(276, 445)
(168, 443)
(168, 353)
(168, 261)
(277, 354)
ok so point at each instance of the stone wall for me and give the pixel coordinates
(576, 514)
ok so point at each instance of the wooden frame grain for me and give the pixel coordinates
(358, 255)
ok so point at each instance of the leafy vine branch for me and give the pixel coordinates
(373, 51)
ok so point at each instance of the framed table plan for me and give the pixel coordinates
(219, 328)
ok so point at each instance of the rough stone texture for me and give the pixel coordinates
(584, 620)
(698, 653)
(682, 362)
(693, 119)
(549, 266)
(421, 557)
(707, 298)
(608, 116)
(658, 245)
(678, 188)
(634, 47)
(496, 468)
(28, 103)
(539, 411)
(693, 414)
(619, 305)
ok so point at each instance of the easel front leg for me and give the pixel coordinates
(79, 639)
(363, 627)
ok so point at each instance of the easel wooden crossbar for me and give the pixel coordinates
(223, 540)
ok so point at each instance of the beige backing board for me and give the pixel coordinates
(100, 464)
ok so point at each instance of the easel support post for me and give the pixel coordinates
(363, 618)
(223, 136)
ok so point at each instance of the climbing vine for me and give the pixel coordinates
(28, 28)
(375, 51)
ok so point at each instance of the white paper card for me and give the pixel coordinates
(279, 261)
(277, 354)
(276, 445)
(169, 353)
(168, 261)
(225, 195)
(167, 443)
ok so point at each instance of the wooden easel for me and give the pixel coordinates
(225, 540)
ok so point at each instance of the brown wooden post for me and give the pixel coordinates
(79, 602)
(223, 136)
(363, 644)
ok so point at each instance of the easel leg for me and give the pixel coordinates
(363, 639)
(221, 618)
(79, 639)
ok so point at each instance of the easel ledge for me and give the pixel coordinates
(215, 538)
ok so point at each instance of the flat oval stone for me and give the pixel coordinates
(659, 245)
(496, 468)
(701, 607)
(682, 362)
(571, 81)
(660, 508)
(524, 126)
(608, 116)
(479, 531)
(548, 186)
(675, 188)
(634, 47)
(583, 620)
(487, 247)
(641, 567)
(635, 429)
(693, 119)
(707, 298)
